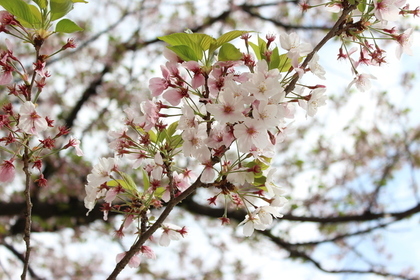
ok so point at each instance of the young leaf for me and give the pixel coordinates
(172, 129)
(229, 36)
(274, 59)
(285, 63)
(185, 53)
(20, 10)
(146, 181)
(256, 50)
(177, 39)
(67, 26)
(42, 4)
(60, 8)
(203, 40)
(229, 52)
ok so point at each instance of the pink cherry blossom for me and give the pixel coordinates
(387, 9)
(317, 99)
(7, 171)
(170, 232)
(229, 109)
(405, 40)
(362, 82)
(30, 122)
(133, 262)
(296, 49)
(251, 132)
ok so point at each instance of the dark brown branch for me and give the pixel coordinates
(144, 237)
(249, 9)
(75, 208)
(335, 31)
(297, 253)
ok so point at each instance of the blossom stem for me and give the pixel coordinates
(28, 213)
(336, 30)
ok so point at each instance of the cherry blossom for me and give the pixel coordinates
(317, 99)
(7, 171)
(171, 232)
(250, 133)
(405, 40)
(30, 122)
(362, 82)
(387, 9)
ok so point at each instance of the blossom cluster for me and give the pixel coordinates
(23, 130)
(220, 117)
(373, 17)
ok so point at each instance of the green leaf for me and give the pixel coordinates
(229, 36)
(177, 39)
(36, 13)
(152, 136)
(256, 49)
(146, 181)
(229, 52)
(171, 129)
(176, 141)
(274, 59)
(285, 63)
(126, 183)
(203, 40)
(262, 44)
(67, 26)
(42, 4)
(60, 8)
(185, 52)
(20, 10)
(362, 6)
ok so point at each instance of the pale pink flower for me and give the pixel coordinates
(405, 40)
(251, 132)
(316, 68)
(151, 112)
(387, 9)
(73, 142)
(209, 174)
(198, 78)
(133, 262)
(100, 174)
(30, 122)
(266, 114)
(229, 109)
(362, 82)
(296, 49)
(317, 99)
(6, 76)
(170, 232)
(7, 171)
(148, 252)
(157, 85)
(195, 143)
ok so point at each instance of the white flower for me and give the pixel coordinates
(387, 9)
(296, 49)
(405, 40)
(317, 99)
(362, 82)
(100, 174)
(316, 68)
(30, 122)
(251, 132)
(170, 232)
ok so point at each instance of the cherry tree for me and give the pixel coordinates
(212, 131)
